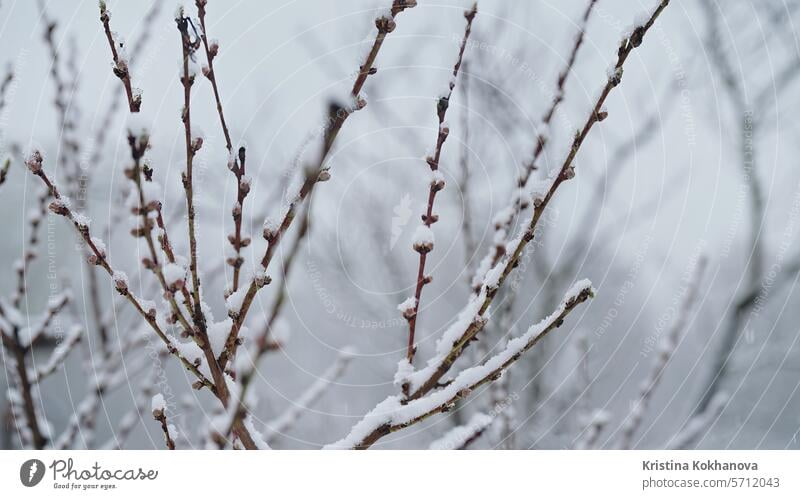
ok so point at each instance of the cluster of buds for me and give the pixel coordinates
(423, 247)
(437, 181)
(423, 239)
(235, 261)
(271, 228)
(150, 312)
(385, 24)
(408, 308)
(34, 162)
(261, 279)
(59, 207)
(121, 283)
(139, 143)
(243, 243)
(144, 229)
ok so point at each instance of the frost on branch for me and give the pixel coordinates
(396, 412)
(461, 436)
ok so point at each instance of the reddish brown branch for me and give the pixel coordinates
(236, 162)
(160, 415)
(138, 146)
(436, 185)
(121, 69)
(60, 206)
(337, 115)
(566, 172)
(414, 411)
(540, 143)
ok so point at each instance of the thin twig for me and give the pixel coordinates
(498, 274)
(396, 412)
(519, 203)
(121, 68)
(160, 415)
(60, 206)
(316, 172)
(236, 162)
(424, 245)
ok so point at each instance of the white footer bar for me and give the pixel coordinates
(400, 474)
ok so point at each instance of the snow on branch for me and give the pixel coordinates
(396, 412)
(423, 240)
(60, 206)
(159, 408)
(474, 313)
(317, 171)
(522, 199)
(119, 54)
(461, 437)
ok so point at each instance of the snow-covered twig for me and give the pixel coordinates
(471, 319)
(397, 412)
(136, 50)
(159, 409)
(423, 243)
(317, 172)
(60, 206)
(236, 159)
(119, 55)
(520, 202)
(189, 45)
(461, 437)
(141, 176)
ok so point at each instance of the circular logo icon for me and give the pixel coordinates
(31, 472)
